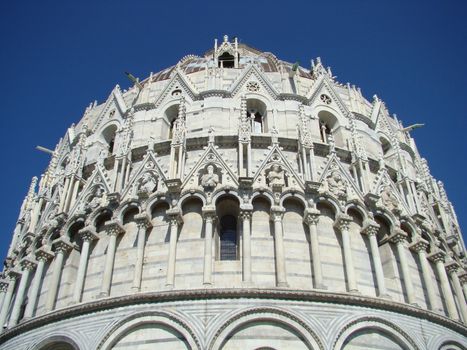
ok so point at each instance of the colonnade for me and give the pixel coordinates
(12, 296)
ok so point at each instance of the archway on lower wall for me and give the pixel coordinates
(148, 336)
(150, 331)
(264, 335)
(56, 343)
(372, 339)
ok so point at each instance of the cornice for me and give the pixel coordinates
(228, 293)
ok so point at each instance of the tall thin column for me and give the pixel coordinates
(42, 256)
(113, 229)
(27, 266)
(87, 234)
(7, 301)
(246, 244)
(342, 223)
(370, 228)
(452, 268)
(438, 258)
(209, 216)
(62, 246)
(311, 218)
(35, 214)
(420, 247)
(175, 220)
(399, 239)
(276, 216)
(143, 223)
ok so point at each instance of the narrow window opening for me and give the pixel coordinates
(226, 60)
(228, 238)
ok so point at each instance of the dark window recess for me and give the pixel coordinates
(226, 60)
(228, 238)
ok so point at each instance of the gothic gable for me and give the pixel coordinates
(114, 108)
(323, 87)
(252, 74)
(338, 182)
(221, 167)
(178, 85)
(390, 197)
(283, 171)
(145, 179)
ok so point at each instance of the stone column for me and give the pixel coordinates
(175, 220)
(7, 301)
(209, 213)
(35, 214)
(113, 229)
(370, 228)
(438, 258)
(42, 256)
(3, 289)
(143, 223)
(27, 266)
(342, 223)
(62, 246)
(452, 268)
(277, 213)
(463, 281)
(311, 218)
(399, 238)
(420, 247)
(87, 234)
(245, 215)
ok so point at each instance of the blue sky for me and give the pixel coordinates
(57, 57)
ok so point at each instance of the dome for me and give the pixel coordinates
(236, 201)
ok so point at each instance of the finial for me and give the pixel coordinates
(226, 38)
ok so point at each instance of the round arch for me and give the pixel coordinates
(293, 195)
(124, 207)
(275, 315)
(376, 324)
(358, 207)
(330, 201)
(267, 195)
(189, 196)
(56, 342)
(136, 320)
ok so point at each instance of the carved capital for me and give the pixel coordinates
(209, 213)
(113, 228)
(419, 246)
(398, 237)
(437, 256)
(277, 212)
(463, 277)
(370, 228)
(62, 245)
(28, 264)
(44, 254)
(88, 233)
(143, 221)
(3, 286)
(342, 222)
(452, 266)
(174, 216)
(311, 216)
(245, 214)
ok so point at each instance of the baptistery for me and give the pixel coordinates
(235, 201)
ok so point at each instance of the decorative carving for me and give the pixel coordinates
(252, 86)
(389, 200)
(95, 198)
(210, 179)
(337, 185)
(146, 184)
(275, 176)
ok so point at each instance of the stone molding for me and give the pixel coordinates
(247, 293)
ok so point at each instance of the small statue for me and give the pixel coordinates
(389, 200)
(146, 184)
(276, 176)
(211, 135)
(95, 199)
(337, 185)
(210, 179)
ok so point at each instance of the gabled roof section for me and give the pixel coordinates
(181, 80)
(324, 85)
(276, 156)
(116, 100)
(253, 70)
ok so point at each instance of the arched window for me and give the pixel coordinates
(102, 219)
(324, 131)
(256, 112)
(109, 137)
(385, 145)
(226, 60)
(328, 125)
(228, 238)
(171, 115)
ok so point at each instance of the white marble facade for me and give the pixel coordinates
(236, 201)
